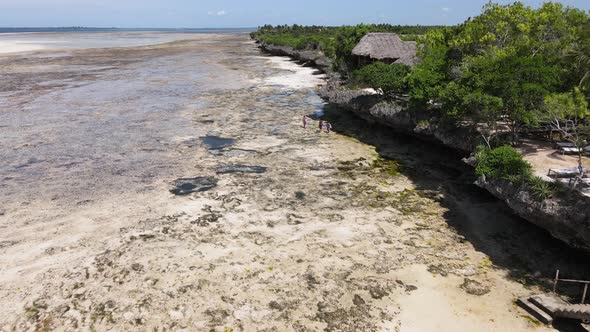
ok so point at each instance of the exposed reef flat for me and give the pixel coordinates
(335, 235)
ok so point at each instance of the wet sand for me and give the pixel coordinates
(312, 232)
(52, 40)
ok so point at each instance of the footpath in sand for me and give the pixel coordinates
(322, 235)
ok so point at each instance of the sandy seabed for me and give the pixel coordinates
(327, 237)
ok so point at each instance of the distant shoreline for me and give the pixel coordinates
(88, 29)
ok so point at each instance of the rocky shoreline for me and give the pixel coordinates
(314, 59)
(567, 217)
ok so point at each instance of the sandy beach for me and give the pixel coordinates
(298, 230)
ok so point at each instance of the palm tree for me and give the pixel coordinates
(582, 62)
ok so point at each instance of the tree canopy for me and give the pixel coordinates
(504, 62)
(335, 42)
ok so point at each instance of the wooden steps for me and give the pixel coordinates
(547, 307)
(575, 311)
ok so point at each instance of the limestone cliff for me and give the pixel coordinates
(566, 217)
(425, 124)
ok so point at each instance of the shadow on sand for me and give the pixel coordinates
(528, 253)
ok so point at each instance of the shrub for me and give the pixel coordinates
(503, 163)
(379, 75)
(541, 189)
(480, 152)
(507, 164)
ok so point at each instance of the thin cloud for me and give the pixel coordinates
(446, 9)
(217, 13)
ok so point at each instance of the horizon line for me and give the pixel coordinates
(120, 28)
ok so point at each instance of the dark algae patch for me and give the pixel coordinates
(192, 185)
(388, 166)
(216, 142)
(242, 169)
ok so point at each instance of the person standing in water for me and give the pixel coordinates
(321, 124)
(304, 121)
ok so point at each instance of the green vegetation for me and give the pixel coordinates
(579, 56)
(388, 78)
(500, 66)
(300, 38)
(336, 42)
(503, 163)
(541, 189)
(391, 167)
(567, 114)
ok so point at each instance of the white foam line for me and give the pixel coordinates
(293, 75)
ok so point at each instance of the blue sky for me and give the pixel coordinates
(239, 13)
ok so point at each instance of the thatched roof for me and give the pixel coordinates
(382, 46)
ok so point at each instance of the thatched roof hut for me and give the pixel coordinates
(386, 47)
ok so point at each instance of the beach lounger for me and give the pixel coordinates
(566, 147)
(565, 172)
(569, 150)
(560, 145)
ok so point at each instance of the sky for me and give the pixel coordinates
(239, 13)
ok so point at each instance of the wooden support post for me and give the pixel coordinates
(555, 281)
(584, 295)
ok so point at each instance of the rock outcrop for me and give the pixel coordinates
(311, 58)
(425, 124)
(566, 217)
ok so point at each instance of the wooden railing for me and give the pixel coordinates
(584, 282)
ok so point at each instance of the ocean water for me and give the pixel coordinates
(15, 40)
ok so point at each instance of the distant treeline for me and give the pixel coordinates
(316, 29)
(335, 42)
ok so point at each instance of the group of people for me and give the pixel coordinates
(322, 124)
